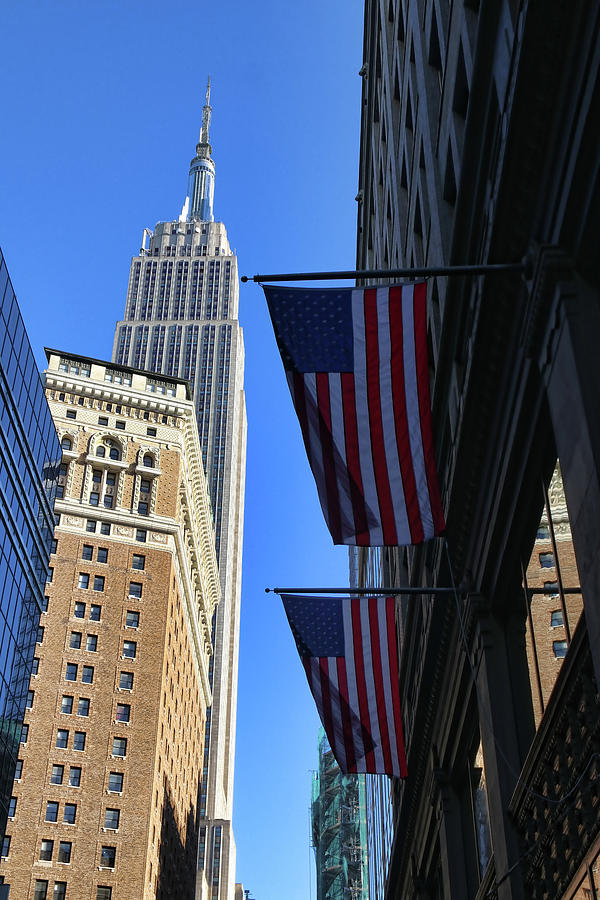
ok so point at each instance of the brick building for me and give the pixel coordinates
(105, 803)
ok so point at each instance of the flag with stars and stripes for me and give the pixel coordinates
(356, 365)
(349, 652)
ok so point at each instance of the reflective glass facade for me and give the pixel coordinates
(29, 461)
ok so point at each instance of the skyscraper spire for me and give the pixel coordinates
(201, 182)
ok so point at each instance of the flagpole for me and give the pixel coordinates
(423, 272)
(363, 592)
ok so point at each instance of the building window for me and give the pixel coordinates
(12, 807)
(90, 525)
(79, 740)
(79, 610)
(108, 857)
(19, 770)
(83, 581)
(71, 414)
(101, 451)
(50, 575)
(132, 619)
(142, 508)
(119, 747)
(102, 554)
(83, 706)
(129, 649)
(148, 461)
(41, 889)
(87, 675)
(87, 552)
(91, 643)
(102, 420)
(126, 681)
(547, 560)
(74, 776)
(551, 587)
(138, 561)
(95, 612)
(45, 603)
(46, 850)
(57, 774)
(64, 851)
(5, 846)
(40, 634)
(135, 589)
(70, 813)
(150, 431)
(66, 705)
(556, 618)
(140, 535)
(36, 665)
(24, 733)
(60, 890)
(75, 637)
(94, 498)
(123, 713)
(51, 811)
(30, 696)
(103, 892)
(99, 583)
(560, 649)
(104, 527)
(71, 672)
(543, 533)
(120, 425)
(66, 444)
(62, 738)
(115, 782)
(111, 819)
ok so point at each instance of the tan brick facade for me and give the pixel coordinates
(114, 746)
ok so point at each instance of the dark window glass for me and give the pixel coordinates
(57, 774)
(111, 818)
(46, 850)
(66, 443)
(41, 890)
(135, 589)
(120, 426)
(79, 740)
(115, 782)
(70, 813)
(119, 747)
(560, 649)
(79, 610)
(148, 461)
(83, 706)
(140, 535)
(62, 738)
(94, 498)
(90, 525)
(108, 501)
(30, 696)
(138, 561)
(126, 681)
(129, 649)
(83, 581)
(60, 890)
(547, 560)
(64, 851)
(132, 619)
(556, 618)
(12, 806)
(24, 733)
(5, 846)
(104, 527)
(551, 587)
(108, 856)
(123, 713)
(102, 420)
(74, 776)
(87, 675)
(71, 673)
(102, 554)
(18, 769)
(91, 643)
(99, 583)
(51, 811)
(40, 634)
(66, 705)
(143, 508)
(75, 641)
(87, 551)
(103, 892)
(95, 612)
(101, 451)
(36, 665)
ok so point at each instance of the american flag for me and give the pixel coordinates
(349, 652)
(356, 365)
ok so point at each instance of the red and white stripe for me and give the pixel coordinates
(368, 434)
(358, 695)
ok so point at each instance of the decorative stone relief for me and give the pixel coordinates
(158, 537)
(74, 521)
(124, 530)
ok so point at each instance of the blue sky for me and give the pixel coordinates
(100, 111)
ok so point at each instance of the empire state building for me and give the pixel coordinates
(181, 319)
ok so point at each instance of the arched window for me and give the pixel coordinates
(101, 450)
(66, 443)
(114, 453)
(148, 461)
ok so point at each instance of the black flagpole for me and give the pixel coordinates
(363, 592)
(424, 272)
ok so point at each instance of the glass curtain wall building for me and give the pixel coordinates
(181, 319)
(29, 465)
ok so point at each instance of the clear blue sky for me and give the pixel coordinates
(100, 113)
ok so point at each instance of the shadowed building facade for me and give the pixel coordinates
(478, 144)
(110, 767)
(181, 319)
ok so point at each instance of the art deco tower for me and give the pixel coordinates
(181, 319)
